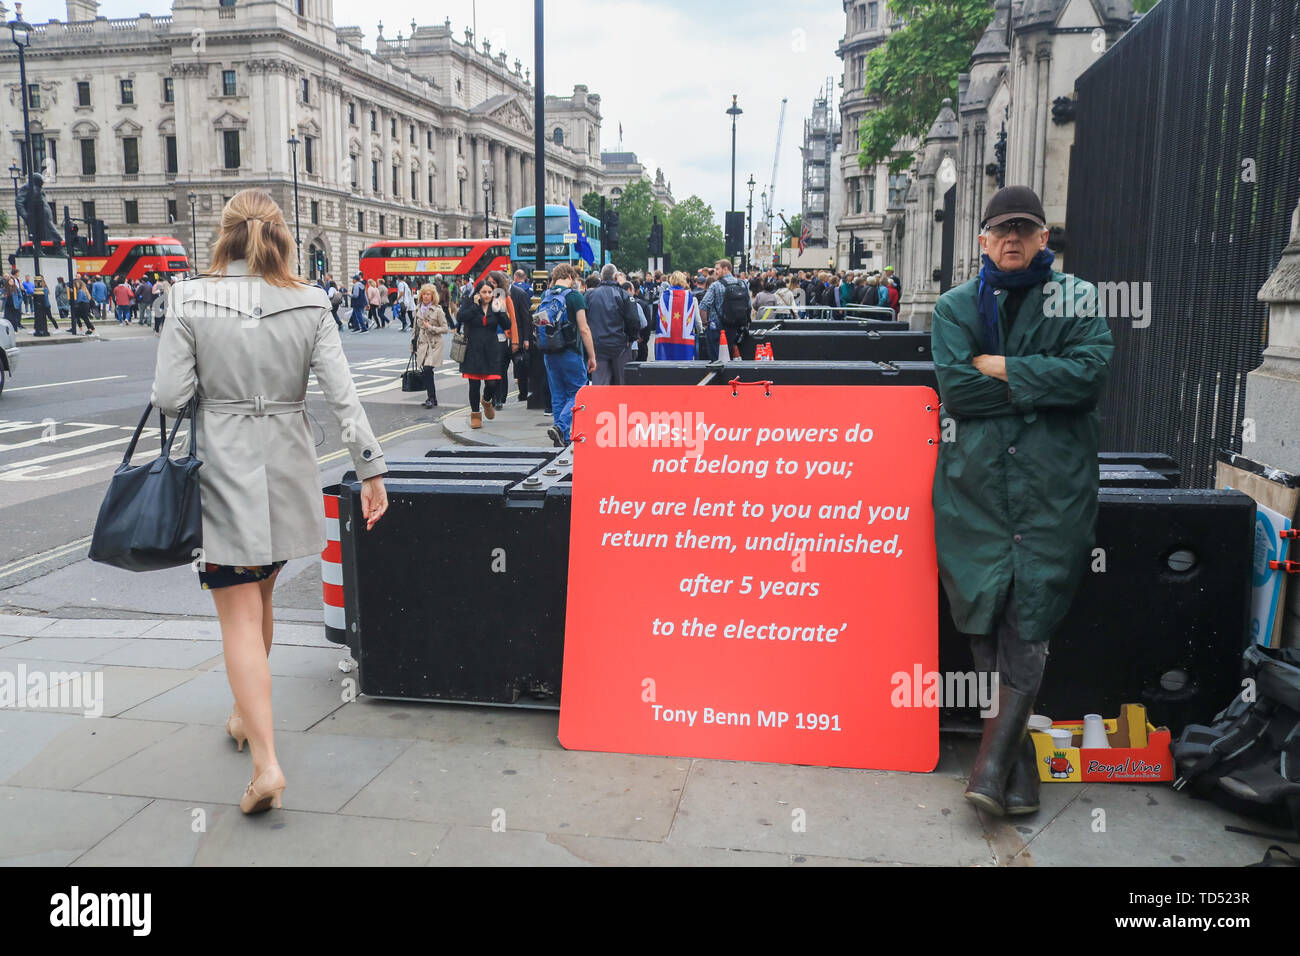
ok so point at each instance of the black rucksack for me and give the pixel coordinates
(735, 304)
(1248, 759)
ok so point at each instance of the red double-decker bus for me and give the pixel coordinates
(426, 259)
(129, 256)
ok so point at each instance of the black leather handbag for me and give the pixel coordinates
(152, 516)
(412, 378)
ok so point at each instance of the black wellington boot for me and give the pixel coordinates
(998, 751)
(1022, 785)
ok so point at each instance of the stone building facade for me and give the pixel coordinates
(133, 115)
(621, 169)
(1020, 81)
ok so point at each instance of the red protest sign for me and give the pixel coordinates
(749, 570)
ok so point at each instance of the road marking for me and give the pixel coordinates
(23, 564)
(46, 440)
(80, 381)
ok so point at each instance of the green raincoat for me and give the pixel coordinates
(1015, 487)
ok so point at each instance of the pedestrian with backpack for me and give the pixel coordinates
(728, 300)
(562, 332)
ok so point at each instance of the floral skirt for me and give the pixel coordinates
(225, 575)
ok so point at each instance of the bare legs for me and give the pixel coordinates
(245, 614)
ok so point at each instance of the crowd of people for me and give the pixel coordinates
(143, 301)
(613, 317)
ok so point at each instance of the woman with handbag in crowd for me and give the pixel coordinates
(375, 298)
(479, 320)
(259, 484)
(13, 303)
(430, 324)
(81, 306)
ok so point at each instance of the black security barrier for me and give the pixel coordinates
(459, 594)
(1163, 624)
(853, 346)
(1152, 460)
(831, 325)
(782, 372)
(1132, 476)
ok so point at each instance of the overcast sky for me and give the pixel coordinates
(665, 69)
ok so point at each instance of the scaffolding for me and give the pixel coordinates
(821, 133)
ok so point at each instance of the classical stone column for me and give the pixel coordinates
(1273, 392)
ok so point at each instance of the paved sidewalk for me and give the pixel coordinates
(155, 780)
(516, 424)
(106, 331)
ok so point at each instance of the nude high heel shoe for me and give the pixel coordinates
(235, 727)
(264, 792)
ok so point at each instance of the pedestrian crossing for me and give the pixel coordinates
(373, 376)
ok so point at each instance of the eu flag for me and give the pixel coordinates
(575, 227)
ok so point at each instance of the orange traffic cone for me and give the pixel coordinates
(724, 350)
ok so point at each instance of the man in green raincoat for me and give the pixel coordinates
(1021, 354)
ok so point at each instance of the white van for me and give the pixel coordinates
(9, 353)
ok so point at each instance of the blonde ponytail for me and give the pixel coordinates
(253, 229)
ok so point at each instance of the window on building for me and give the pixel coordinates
(361, 222)
(412, 134)
(309, 153)
(431, 187)
(396, 193)
(374, 175)
(33, 96)
(127, 88)
(428, 139)
(170, 144)
(87, 157)
(52, 148)
(352, 114)
(172, 214)
(227, 82)
(897, 189)
(461, 184)
(225, 3)
(873, 15)
(392, 126)
(557, 136)
(356, 166)
(859, 77)
(38, 150)
(401, 227)
(436, 229)
(130, 155)
(88, 210)
(856, 194)
(374, 122)
(460, 146)
(169, 90)
(230, 147)
(464, 232)
(419, 229)
(415, 183)
(83, 92)
(315, 212)
(306, 90)
(381, 223)
(302, 9)
(870, 187)
(131, 212)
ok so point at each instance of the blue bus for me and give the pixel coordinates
(523, 237)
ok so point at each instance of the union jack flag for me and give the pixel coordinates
(803, 236)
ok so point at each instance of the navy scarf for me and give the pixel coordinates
(991, 277)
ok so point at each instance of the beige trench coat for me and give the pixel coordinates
(246, 348)
(430, 326)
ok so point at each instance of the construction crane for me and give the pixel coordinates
(776, 159)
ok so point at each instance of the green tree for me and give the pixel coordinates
(590, 204)
(637, 209)
(792, 232)
(4, 222)
(915, 69)
(691, 238)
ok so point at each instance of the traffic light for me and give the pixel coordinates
(611, 229)
(98, 238)
(735, 234)
(320, 263)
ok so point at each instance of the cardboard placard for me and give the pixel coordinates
(752, 574)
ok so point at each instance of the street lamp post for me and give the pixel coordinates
(15, 174)
(749, 247)
(194, 232)
(733, 112)
(297, 223)
(21, 34)
(487, 191)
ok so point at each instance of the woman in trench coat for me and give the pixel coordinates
(260, 332)
(430, 324)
